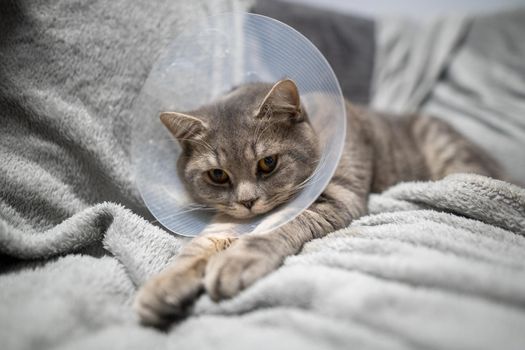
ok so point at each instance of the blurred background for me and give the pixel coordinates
(416, 9)
(458, 60)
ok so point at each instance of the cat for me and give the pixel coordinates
(252, 150)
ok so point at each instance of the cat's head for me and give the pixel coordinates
(248, 151)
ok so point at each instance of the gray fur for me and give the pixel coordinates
(379, 152)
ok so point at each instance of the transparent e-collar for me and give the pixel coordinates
(208, 59)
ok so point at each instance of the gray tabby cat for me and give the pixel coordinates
(252, 150)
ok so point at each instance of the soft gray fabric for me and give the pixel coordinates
(437, 265)
(69, 72)
(467, 71)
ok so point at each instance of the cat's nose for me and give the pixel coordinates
(248, 203)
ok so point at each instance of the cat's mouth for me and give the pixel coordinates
(239, 211)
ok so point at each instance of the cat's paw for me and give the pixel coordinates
(235, 269)
(166, 297)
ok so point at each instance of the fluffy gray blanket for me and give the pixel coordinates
(435, 265)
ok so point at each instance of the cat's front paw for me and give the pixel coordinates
(166, 297)
(235, 269)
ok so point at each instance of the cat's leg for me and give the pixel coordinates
(254, 256)
(345, 199)
(446, 151)
(166, 296)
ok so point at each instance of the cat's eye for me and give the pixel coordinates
(218, 176)
(267, 164)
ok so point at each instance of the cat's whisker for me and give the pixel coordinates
(196, 141)
(285, 196)
(181, 213)
(264, 130)
(308, 180)
(200, 142)
(184, 212)
(256, 132)
(198, 205)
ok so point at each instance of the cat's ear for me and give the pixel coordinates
(281, 102)
(183, 126)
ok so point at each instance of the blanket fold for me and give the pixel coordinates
(450, 254)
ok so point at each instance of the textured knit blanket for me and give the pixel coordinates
(436, 265)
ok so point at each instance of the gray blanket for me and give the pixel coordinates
(435, 265)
